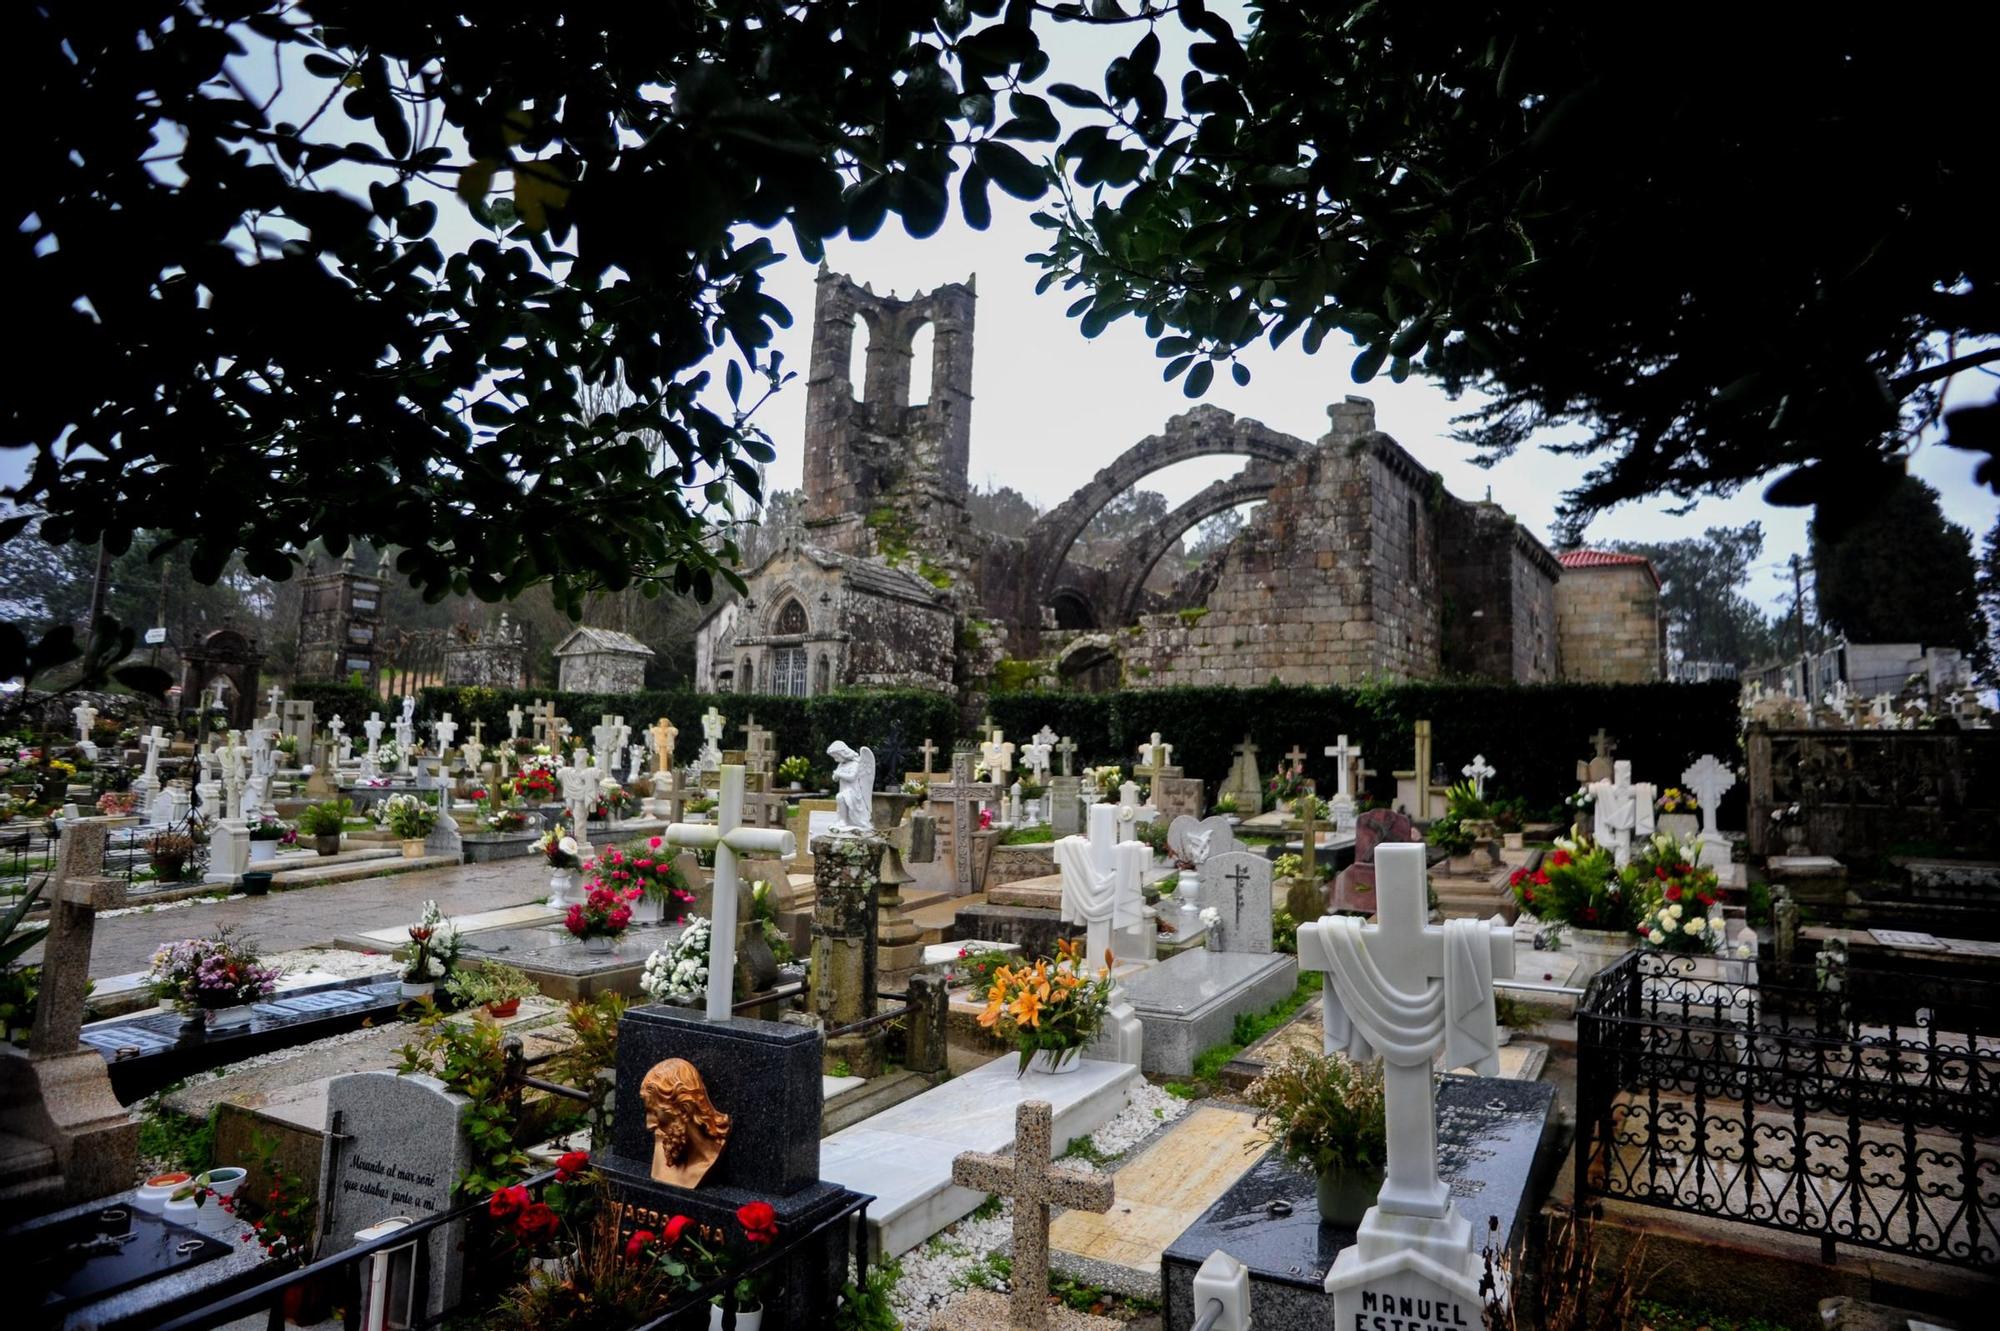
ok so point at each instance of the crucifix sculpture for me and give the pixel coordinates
(963, 794)
(1066, 751)
(727, 837)
(1405, 989)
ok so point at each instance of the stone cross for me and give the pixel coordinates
(1307, 806)
(964, 795)
(1297, 757)
(514, 721)
(676, 796)
(1066, 752)
(1478, 770)
(1406, 989)
(277, 696)
(86, 717)
(77, 890)
(1421, 758)
(1035, 1184)
(1344, 756)
(604, 734)
(929, 750)
(728, 838)
(580, 790)
(1101, 879)
(1156, 757)
(444, 730)
(1128, 802)
(1604, 745)
(664, 733)
(711, 739)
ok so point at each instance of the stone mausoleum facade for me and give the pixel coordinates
(593, 660)
(1357, 564)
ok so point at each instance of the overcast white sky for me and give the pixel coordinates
(1050, 408)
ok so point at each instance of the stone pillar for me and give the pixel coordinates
(842, 984)
(899, 944)
(926, 1040)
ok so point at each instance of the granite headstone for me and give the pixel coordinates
(1237, 884)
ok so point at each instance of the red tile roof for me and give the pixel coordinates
(1605, 559)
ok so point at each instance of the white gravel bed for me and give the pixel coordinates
(936, 1270)
(348, 965)
(182, 904)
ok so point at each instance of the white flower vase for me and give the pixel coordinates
(410, 989)
(597, 945)
(747, 1319)
(561, 883)
(263, 852)
(649, 909)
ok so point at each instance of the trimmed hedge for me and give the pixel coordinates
(1531, 734)
(350, 702)
(895, 724)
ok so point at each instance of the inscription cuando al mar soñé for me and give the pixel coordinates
(389, 1175)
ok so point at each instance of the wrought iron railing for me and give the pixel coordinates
(346, 1272)
(1861, 1110)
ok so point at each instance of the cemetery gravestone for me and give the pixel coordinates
(1710, 779)
(1623, 812)
(1237, 885)
(395, 1146)
(963, 794)
(1354, 887)
(1192, 840)
(1244, 782)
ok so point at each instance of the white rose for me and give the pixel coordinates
(1666, 924)
(1675, 910)
(1695, 925)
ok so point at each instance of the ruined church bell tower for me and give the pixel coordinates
(884, 475)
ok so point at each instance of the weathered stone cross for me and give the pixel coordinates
(1479, 769)
(1157, 756)
(963, 794)
(1066, 751)
(929, 750)
(1297, 757)
(727, 837)
(1035, 1184)
(514, 721)
(1308, 810)
(1603, 743)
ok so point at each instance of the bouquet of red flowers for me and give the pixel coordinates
(603, 913)
(537, 785)
(644, 867)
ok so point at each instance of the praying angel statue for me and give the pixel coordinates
(854, 804)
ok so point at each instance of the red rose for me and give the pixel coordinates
(1558, 858)
(1513, 879)
(1673, 891)
(507, 1203)
(634, 893)
(1660, 872)
(672, 1233)
(1528, 895)
(759, 1221)
(654, 843)
(536, 1223)
(1541, 879)
(571, 1164)
(637, 1243)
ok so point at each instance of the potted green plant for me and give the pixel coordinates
(493, 985)
(433, 949)
(794, 771)
(324, 822)
(411, 819)
(1326, 1113)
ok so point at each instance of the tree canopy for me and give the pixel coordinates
(1898, 571)
(1712, 250)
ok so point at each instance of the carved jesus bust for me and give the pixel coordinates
(688, 1131)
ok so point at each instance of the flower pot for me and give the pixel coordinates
(1514, 840)
(412, 990)
(649, 909)
(224, 1180)
(1344, 1195)
(154, 1193)
(413, 849)
(256, 883)
(326, 843)
(222, 1018)
(598, 945)
(1055, 1062)
(506, 1009)
(263, 852)
(747, 1319)
(561, 884)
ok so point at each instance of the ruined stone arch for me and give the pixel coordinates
(1091, 664)
(1203, 432)
(1129, 578)
(1074, 609)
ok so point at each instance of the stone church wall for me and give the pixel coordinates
(899, 644)
(1608, 620)
(1499, 610)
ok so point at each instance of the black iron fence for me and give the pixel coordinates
(343, 1276)
(1853, 1107)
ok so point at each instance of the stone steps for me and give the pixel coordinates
(903, 1156)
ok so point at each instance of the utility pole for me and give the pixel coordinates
(160, 615)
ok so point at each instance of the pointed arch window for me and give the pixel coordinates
(792, 619)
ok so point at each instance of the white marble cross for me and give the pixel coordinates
(514, 721)
(444, 730)
(1479, 769)
(1387, 992)
(478, 731)
(728, 838)
(1623, 812)
(999, 756)
(1709, 777)
(277, 697)
(1128, 803)
(1344, 756)
(335, 726)
(1035, 753)
(1101, 880)
(153, 742)
(86, 717)
(1066, 750)
(215, 704)
(712, 722)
